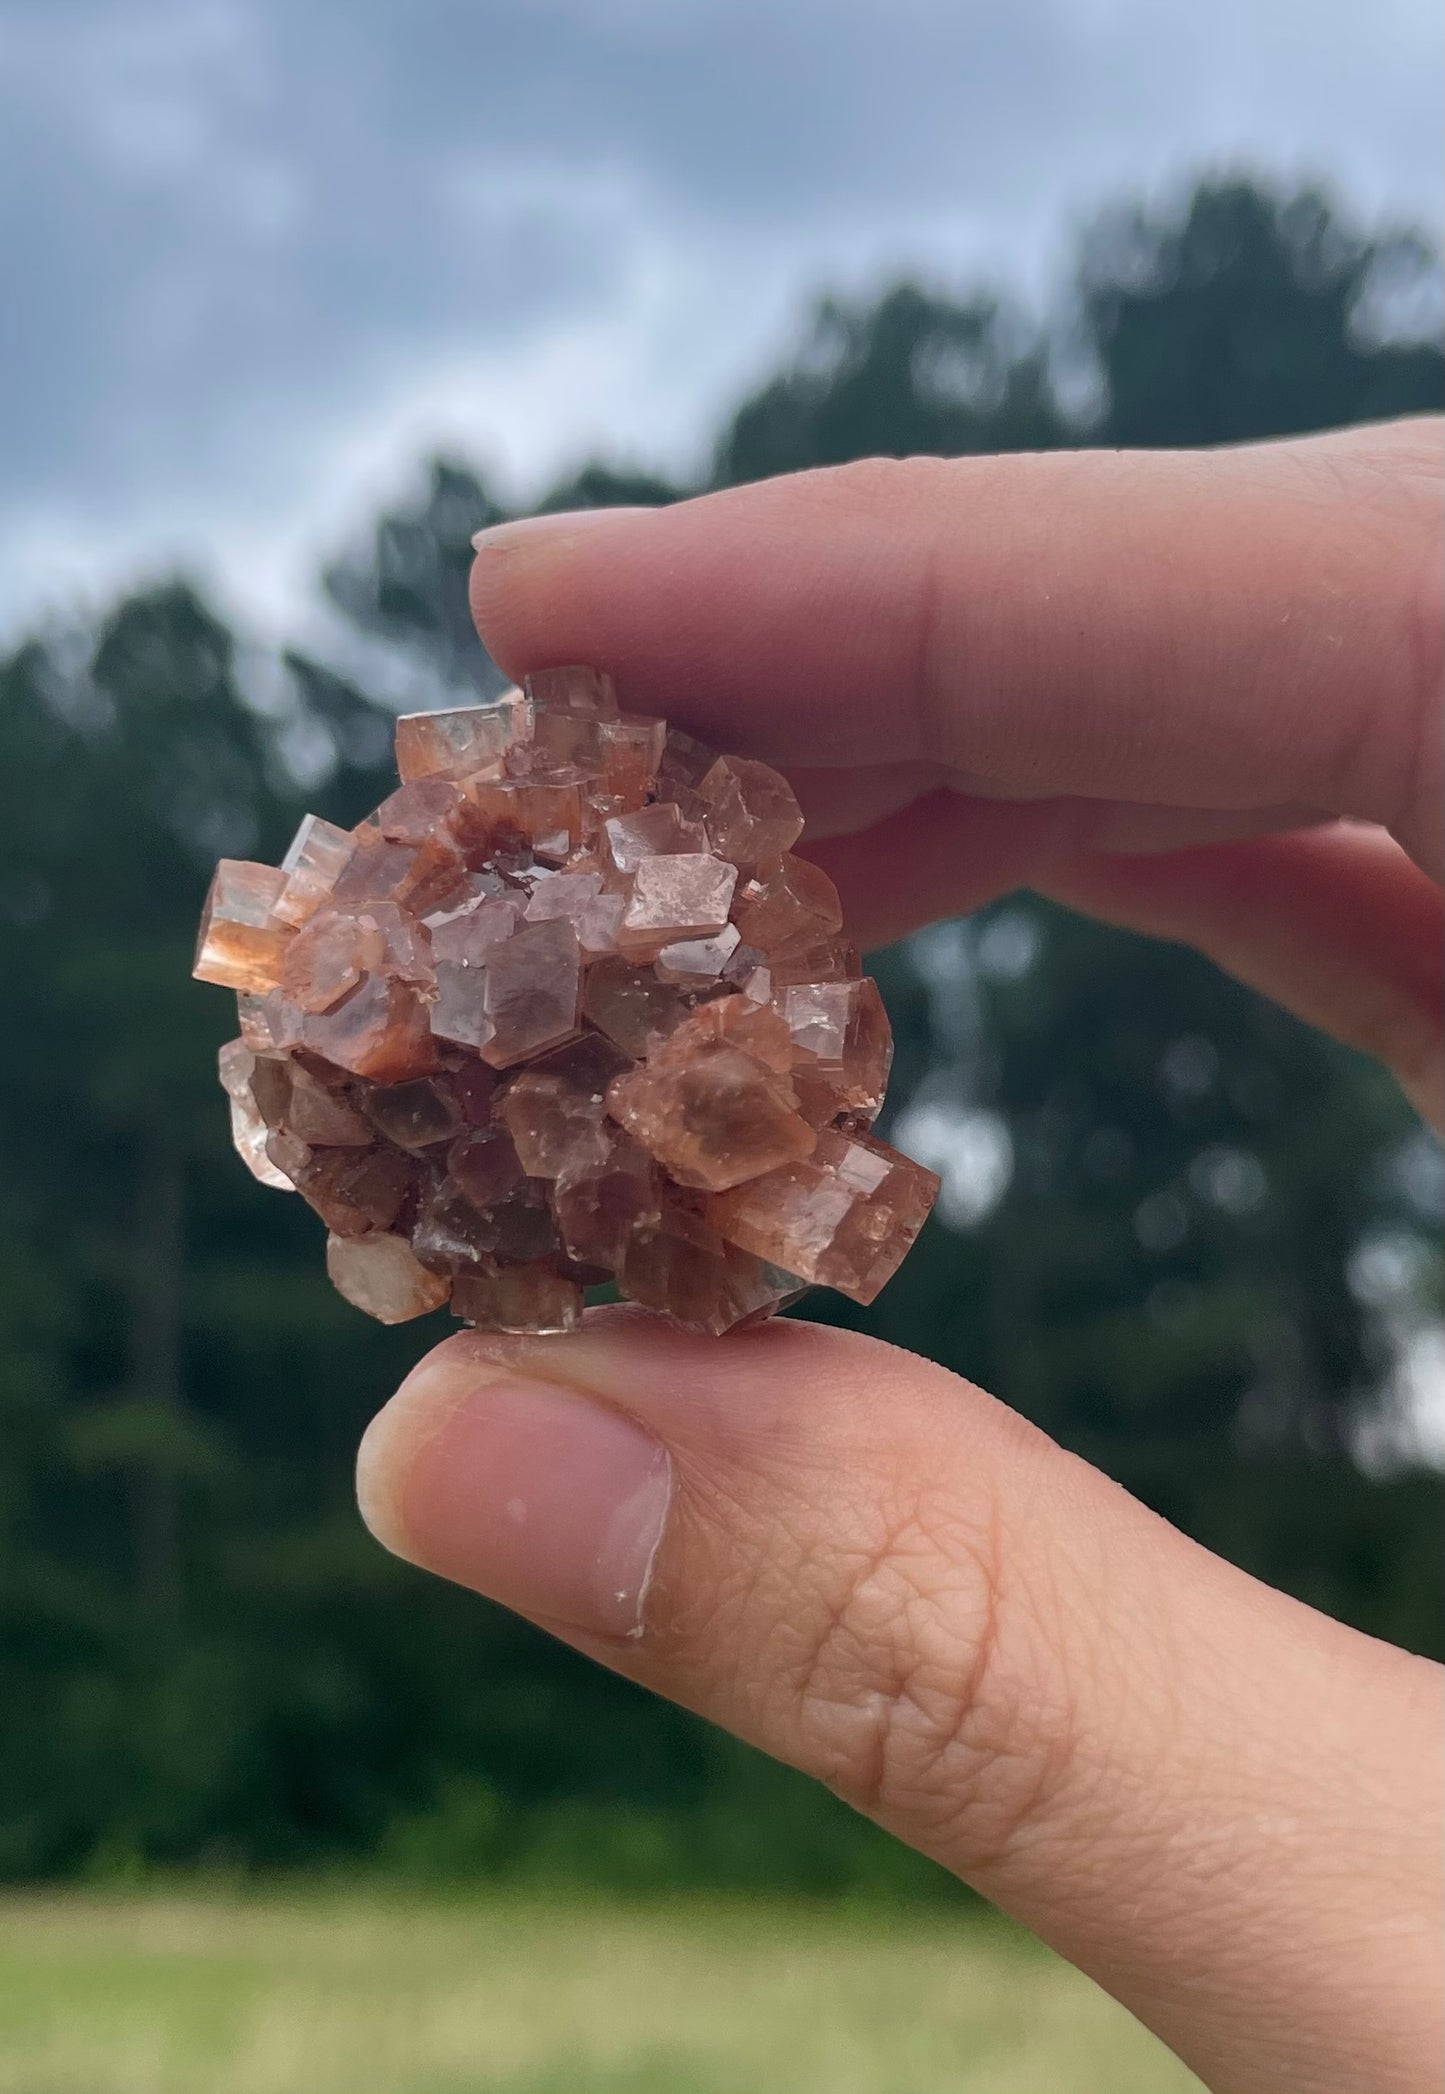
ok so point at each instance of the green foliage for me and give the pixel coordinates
(1249, 315)
(202, 1658)
(913, 372)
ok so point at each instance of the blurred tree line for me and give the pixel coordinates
(1190, 1237)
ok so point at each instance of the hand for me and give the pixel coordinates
(1194, 693)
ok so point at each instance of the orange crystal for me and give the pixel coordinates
(242, 942)
(713, 1118)
(565, 1008)
(844, 1217)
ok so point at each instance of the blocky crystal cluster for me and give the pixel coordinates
(565, 1009)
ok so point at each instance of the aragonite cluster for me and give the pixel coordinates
(564, 1010)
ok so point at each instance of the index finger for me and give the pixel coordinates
(1227, 629)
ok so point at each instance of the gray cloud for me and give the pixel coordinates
(232, 232)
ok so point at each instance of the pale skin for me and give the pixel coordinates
(1196, 694)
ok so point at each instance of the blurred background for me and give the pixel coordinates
(295, 300)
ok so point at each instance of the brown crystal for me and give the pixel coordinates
(566, 1008)
(630, 1005)
(542, 817)
(484, 1165)
(555, 1110)
(327, 958)
(696, 1277)
(355, 1191)
(531, 990)
(533, 1297)
(249, 1127)
(843, 1217)
(293, 1101)
(417, 877)
(605, 1197)
(415, 1115)
(421, 809)
(713, 1118)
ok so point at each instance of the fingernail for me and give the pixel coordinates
(543, 1499)
(563, 523)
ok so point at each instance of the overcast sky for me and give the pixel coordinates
(258, 255)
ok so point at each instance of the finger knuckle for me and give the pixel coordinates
(909, 1701)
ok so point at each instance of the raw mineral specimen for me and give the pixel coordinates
(565, 1009)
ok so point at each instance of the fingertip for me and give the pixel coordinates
(539, 588)
(524, 1487)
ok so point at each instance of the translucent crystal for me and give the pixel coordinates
(630, 1005)
(270, 1024)
(573, 689)
(685, 763)
(707, 1283)
(658, 831)
(712, 1119)
(485, 1165)
(829, 960)
(676, 897)
(580, 898)
(531, 991)
(555, 1110)
(698, 962)
(241, 943)
(451, 1234)
(379, 1274)
(316, 859)
(542, 817)
(793, 906)
(533, 1297)
(565, 1009)
(355, 1191)
(468, 742)
(423, 808)
(631, 752)
(248, 1127)
(842, 1044)
(753, 814)
(293, 1101)
(604, 1197)
(328, 957)
(415, 1115)
(414, 876)
(843, 1217)
(379, 1030)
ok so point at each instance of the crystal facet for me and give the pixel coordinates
(565, 1008)
(242, 943)
(843, 1217)
(314, 863)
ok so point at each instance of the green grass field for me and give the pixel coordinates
(322, 1993)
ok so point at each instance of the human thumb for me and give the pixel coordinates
(1204, 1794)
